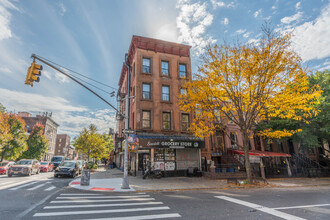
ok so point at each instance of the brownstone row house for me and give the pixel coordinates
(158, 70)
(50, 129)
(63, 147)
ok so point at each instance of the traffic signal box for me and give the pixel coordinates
(33, 74)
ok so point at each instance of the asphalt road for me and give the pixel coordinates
(35, 202)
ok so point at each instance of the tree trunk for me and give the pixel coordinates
(247, 158)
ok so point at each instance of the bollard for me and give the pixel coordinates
(85, 178)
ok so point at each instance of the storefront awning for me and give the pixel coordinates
(261, 153)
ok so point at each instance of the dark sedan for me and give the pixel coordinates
(67, 168)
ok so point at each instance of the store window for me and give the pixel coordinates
(165, 68)
(146, 119)
(185, 122)
(146, 65)
(166, 121)
(146, 93)
(165, 93)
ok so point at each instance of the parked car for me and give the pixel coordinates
(25, 167)
(56, 160)
(81, 165)
(67, 168)
(46, 166)
(4, 166)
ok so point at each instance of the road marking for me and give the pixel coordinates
(301, 206)
(79, 194)
(36, 187)
(50, 188)
(14, 184)
(100, 211)
(319, 210)
(6, 183)
(102, 200)
(21, 186)
(102, 197)
(141, 217)
(261, 208)
(103, 205)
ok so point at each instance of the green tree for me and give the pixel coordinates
(2, 108)
(5, 135)
(37, 144)
(315, 129)
(92, 144)
(17, 143)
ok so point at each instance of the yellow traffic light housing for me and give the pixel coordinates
(33, 74)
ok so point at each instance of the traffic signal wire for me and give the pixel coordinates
(76, 73)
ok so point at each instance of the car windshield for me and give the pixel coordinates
(24, 162)
(3, 164)
(57, 159)
(44, 163)
(67, 164)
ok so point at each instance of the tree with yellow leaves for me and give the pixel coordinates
(246, 83)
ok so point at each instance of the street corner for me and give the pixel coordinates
(109, 185)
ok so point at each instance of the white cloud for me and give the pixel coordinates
(192, 22)
(221, 4)
(241, 31)
(274, 7)
(71, 118)
(290, 19)
(225, 21)
(257, 13)
(298, 5)
(5, 70)
(62, 8)
(47, 74)
(247, 34)
(5, 16)
(311, 39)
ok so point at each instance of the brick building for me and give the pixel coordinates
(158, 71)
(50, 129)
(62, 147)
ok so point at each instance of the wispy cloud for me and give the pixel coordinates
(241, 31)
(311, 39)
(290, 19)
(62, 8)
(71, 118)
(221, 4)
(192, 22)
(298, 5)
(257, 13)
(5, 16)
(225, 21)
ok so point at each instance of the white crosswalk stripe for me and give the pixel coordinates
(126, 207)
(26, 185)
(50, 188)
(21, 186)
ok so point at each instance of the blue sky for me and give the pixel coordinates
(91, 37)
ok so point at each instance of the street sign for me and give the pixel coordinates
(128, 131)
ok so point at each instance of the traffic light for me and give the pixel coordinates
(33, 74)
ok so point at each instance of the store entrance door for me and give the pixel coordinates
(144, 160)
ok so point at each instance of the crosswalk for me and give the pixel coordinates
(100, 206)
(27, 185)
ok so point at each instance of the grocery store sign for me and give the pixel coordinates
(156, 143)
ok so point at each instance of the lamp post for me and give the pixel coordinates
(125, 183)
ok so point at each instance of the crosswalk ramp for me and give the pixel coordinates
(100, 206)
(27, 185)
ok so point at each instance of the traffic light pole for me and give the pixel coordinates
(67, 75)
(125, 183)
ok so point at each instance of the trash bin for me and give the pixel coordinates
(85, 178)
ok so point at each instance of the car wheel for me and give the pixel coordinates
(55, 175)
(10, 175)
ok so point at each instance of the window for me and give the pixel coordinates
(183, 71)
(146, 91)
(165, 93)
(166, 121)
(185, 122)
(183, 91)
(233, 140)
(165, 71)
(146, 65)
(146, 123)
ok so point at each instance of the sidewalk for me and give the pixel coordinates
(111, 180)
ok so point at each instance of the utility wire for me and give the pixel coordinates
(77, 73)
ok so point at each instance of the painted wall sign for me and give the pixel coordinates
(156, 143)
